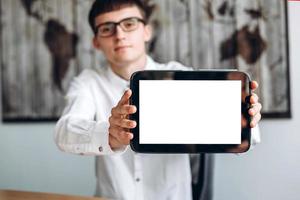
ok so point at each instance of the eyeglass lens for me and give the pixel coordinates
(127, 25)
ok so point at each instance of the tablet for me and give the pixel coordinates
(190, 111)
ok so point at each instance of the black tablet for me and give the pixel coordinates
(191, 111)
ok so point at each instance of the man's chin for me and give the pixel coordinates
(123, 60)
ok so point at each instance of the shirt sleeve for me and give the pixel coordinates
(255, 136)
(76, 131)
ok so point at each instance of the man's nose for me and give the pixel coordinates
(120, 34)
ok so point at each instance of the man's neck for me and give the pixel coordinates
(125, 70)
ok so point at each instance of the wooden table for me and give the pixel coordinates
(22, 195)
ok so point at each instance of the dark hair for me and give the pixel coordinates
(104, 6)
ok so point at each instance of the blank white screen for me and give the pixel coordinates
(190, 112)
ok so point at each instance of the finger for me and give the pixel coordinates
(126, 123)
(253, 98)
(115, 130)
(128, 109)
(122, 137)
(255, 120)
(120, 134)
(123, 123)
(125, 97)
(125, 137)
(256, 108)
(123, 110)
(254, 85)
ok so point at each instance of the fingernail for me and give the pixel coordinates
(130, 135)
(134, 109)
(131, 109)
(133, 124)
(251, 112)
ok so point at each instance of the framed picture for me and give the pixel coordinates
(45, 43)
(251, 36)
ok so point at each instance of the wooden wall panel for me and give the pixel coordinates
(45, 43)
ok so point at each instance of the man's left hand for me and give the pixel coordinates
(255, 107)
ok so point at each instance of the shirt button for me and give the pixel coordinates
(100, 149)
(137, 179)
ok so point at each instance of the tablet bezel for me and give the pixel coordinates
(188, 75)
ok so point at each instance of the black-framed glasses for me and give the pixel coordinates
(108, 29)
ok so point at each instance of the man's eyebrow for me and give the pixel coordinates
(108, 22)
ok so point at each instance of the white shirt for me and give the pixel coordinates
(122, 174)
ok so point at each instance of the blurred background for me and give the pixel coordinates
(29, 159)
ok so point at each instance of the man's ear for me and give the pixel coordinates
(96, 43)
(148, 33)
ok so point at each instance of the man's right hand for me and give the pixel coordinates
(119, 124)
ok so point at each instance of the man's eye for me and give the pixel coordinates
(105, 29)
(129, 24)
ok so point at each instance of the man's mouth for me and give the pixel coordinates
(122, 47)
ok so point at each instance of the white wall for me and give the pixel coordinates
(29, 159)
(272, 170)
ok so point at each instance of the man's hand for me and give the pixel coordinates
(119, 134)
(255, 109)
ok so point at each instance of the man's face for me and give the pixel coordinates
(123, 47)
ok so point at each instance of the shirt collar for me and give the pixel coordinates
(115, 79)
(150, 64)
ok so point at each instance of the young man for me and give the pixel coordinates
(95, 120)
